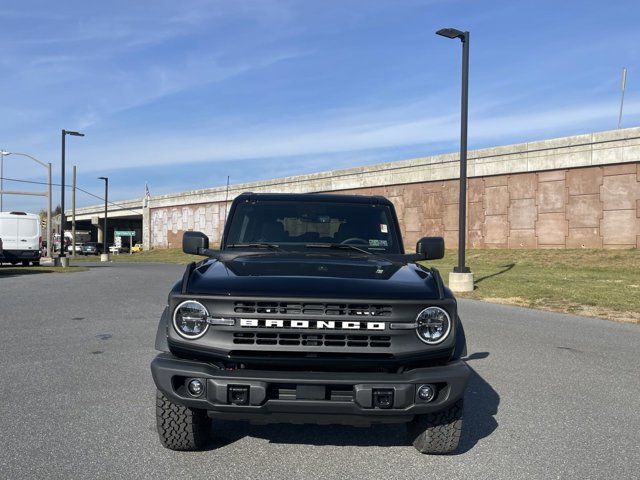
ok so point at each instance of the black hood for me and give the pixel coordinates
(321, 275)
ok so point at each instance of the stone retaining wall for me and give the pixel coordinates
(572, 192)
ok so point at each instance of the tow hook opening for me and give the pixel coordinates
(238, 394)
(382, 398)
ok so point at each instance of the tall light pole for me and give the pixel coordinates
(462, 278)
(2, 154)
(62, 195)
(49, 199)
(73, 212)
(104, 256)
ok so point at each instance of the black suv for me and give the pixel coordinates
(311, 312)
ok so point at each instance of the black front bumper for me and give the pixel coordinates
(309, 397)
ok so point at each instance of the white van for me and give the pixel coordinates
(21, 238)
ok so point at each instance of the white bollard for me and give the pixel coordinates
(461, 282)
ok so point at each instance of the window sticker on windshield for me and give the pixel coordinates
(384, 228)
(377, 243)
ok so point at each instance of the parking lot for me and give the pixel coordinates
(551, 396)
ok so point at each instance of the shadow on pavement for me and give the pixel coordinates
(481, 405)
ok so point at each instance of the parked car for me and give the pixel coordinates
(78, 250)
(92, 248)
(136, 248)
(21, 237)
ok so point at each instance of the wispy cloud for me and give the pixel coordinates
(348, 133)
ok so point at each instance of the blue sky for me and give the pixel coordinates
(182, 94)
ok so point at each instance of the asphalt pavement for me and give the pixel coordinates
(552, 396)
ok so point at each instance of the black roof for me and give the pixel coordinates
(313, 197)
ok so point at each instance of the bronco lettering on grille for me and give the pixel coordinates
(317, 324)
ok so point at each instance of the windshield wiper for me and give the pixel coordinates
(272, 246)
(338, 246)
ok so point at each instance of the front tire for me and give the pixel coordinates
(437, 433)
(179, 427)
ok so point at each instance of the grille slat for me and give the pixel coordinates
(321, 309)
(311, 340)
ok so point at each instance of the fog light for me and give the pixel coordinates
(196, 387)
(426, 392)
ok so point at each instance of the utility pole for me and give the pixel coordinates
(49, 244)
(104, 257)
(62, 195)
(73, 214)
(1, 179)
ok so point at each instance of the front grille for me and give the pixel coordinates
(333, 309)
(311, 340)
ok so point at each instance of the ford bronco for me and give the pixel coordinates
(311, 312)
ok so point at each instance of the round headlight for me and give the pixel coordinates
(190, 319)
(433, 325)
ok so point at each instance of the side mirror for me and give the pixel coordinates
(194, 242)
(431, 248)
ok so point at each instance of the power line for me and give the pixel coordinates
(70, 186)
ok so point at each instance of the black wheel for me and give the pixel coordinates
(437, 433)
(180, 427)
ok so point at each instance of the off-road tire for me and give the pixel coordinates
(437, 433)
(180, 427)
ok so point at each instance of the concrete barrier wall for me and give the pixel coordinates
(571, 192)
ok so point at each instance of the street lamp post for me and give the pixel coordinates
(2, 154)
(461, 279)
(104, 256)
(47, 166)
(62, 219)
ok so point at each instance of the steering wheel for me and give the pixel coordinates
(354, 240)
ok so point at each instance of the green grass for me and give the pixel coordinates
(13, 271)
(602, 283)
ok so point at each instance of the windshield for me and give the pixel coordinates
(292, 225)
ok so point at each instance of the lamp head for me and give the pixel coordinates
(451, 33)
